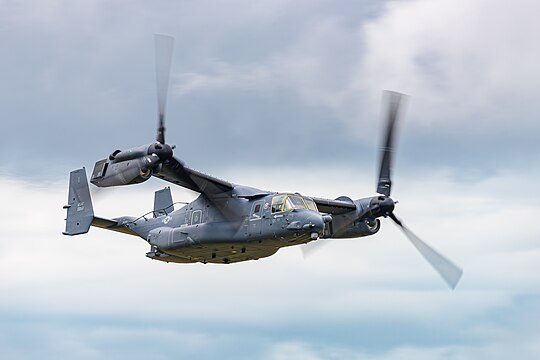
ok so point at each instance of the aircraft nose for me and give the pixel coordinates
(314, 222)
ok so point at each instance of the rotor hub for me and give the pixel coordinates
(387, 206)
(163, 151)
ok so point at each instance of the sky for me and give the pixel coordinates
(285, 96)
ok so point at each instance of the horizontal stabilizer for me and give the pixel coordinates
(80, 213)
(112, 225)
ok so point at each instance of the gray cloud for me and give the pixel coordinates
(275, 88)
(88, 69)
(80, 82)
(372, 298)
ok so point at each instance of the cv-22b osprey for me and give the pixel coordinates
(229, 223)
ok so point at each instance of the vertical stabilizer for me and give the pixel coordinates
(79, 208)
(163, 203)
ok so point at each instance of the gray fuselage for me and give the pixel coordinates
(230, 229)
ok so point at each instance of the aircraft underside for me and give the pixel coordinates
(227, 253)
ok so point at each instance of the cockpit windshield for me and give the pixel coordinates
(311, 204)
(286, 202)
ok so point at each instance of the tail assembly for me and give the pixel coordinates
(80, 213)
(163, 203)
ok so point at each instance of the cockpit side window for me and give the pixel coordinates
(285, 202)
(278, 202)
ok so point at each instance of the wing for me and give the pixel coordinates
(175, 172)
(334, 206)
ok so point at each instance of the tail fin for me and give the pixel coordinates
(163, 203)
(79, 208)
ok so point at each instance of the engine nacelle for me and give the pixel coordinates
(357, 223)
(108, 173)
(130, 166)
(362, 227)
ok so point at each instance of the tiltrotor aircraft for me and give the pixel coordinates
(230, 223)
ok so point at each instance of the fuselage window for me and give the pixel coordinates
(196, 217)
(256, 212)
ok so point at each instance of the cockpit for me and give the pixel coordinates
(286, 202)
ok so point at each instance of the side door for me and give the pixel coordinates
(255, 218)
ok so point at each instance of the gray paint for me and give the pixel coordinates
(163, 203)
(80, 213)
(201, 232)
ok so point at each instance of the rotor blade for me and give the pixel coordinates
(96, 191)
(449, 271)
(385, 182)
(164, 49)
(312, 247)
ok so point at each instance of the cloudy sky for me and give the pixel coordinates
(285, 96)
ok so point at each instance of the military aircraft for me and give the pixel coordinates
(229, 223)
